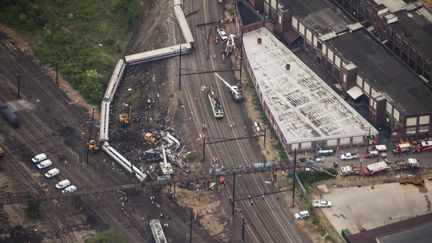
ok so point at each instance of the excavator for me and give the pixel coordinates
(93, 146)
(125, 118)
(150, 138)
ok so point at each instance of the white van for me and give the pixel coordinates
(44, 164)
(52, 173)
(62, 184)
(71, 188)
(38, 158)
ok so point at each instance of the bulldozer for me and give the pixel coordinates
(150, 138)
(93, 146)
(125, 118)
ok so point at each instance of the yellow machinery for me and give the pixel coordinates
(93, 146)
(150, 138)
(2, 151)
(126, 117)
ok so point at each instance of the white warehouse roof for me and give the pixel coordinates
(304, 106)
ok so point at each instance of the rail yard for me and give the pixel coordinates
(184, 146)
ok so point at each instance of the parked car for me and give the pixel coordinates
(301, 214)
(349, 156)
(44, 164)
(38, 158)
(71, 188)
(63, 184)
(371, 154)
(51, 173)
(321, 204)
(222, 33)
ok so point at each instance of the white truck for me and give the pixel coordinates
(63, 184)
(44, 164)
(321, 204)
(301, 214)
(68, 189)
(51, 173)
(38, 158)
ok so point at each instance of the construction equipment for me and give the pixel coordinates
(125, 117)
(93, 146)
(414, 181)
(233, 89)
(150, 138)
(2, 151)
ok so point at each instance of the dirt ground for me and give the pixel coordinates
(368, 207)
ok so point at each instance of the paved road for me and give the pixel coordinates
(268, 220)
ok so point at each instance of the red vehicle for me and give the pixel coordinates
(426, 145)
(376, 168)
(401, 148)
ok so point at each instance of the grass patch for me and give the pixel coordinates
(107, 236)
(84, 37)
(257, 104)
(33, 210)
(309, 178)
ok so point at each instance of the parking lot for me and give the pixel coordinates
(368, 207)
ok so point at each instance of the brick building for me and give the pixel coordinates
(398, 99)
(404, 26)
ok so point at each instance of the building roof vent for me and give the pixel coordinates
(259, 40)
(288, 66)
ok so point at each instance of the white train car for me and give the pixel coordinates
(157, 54)
(184, 26)
(115, 79)
(126, 164)
(157, 231)
(104, 123)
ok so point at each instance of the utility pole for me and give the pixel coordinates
(367, 146)
(18, 85)
(241, 57)
(233, 194)
(294, 176)
(57, 77)
(243, 229)
(190, 226)
(89, 135)
(203, 150)
(180, 54)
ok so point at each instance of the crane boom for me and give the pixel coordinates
(227, 84)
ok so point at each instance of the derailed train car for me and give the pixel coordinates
(9, 115)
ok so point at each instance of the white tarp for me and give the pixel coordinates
(355, 92)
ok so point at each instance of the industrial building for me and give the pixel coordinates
(399, 101)
(404, 26)
(303, 110)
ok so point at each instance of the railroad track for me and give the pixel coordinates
(33, 128)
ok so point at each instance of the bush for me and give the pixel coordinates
(107, 236)
(309, 178)
(83, 37)
(33, 211)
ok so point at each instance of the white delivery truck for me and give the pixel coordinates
(381, 147)
(38, 158)
(62, 184)
(71, 188)
(51, 173)
(44, 164)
